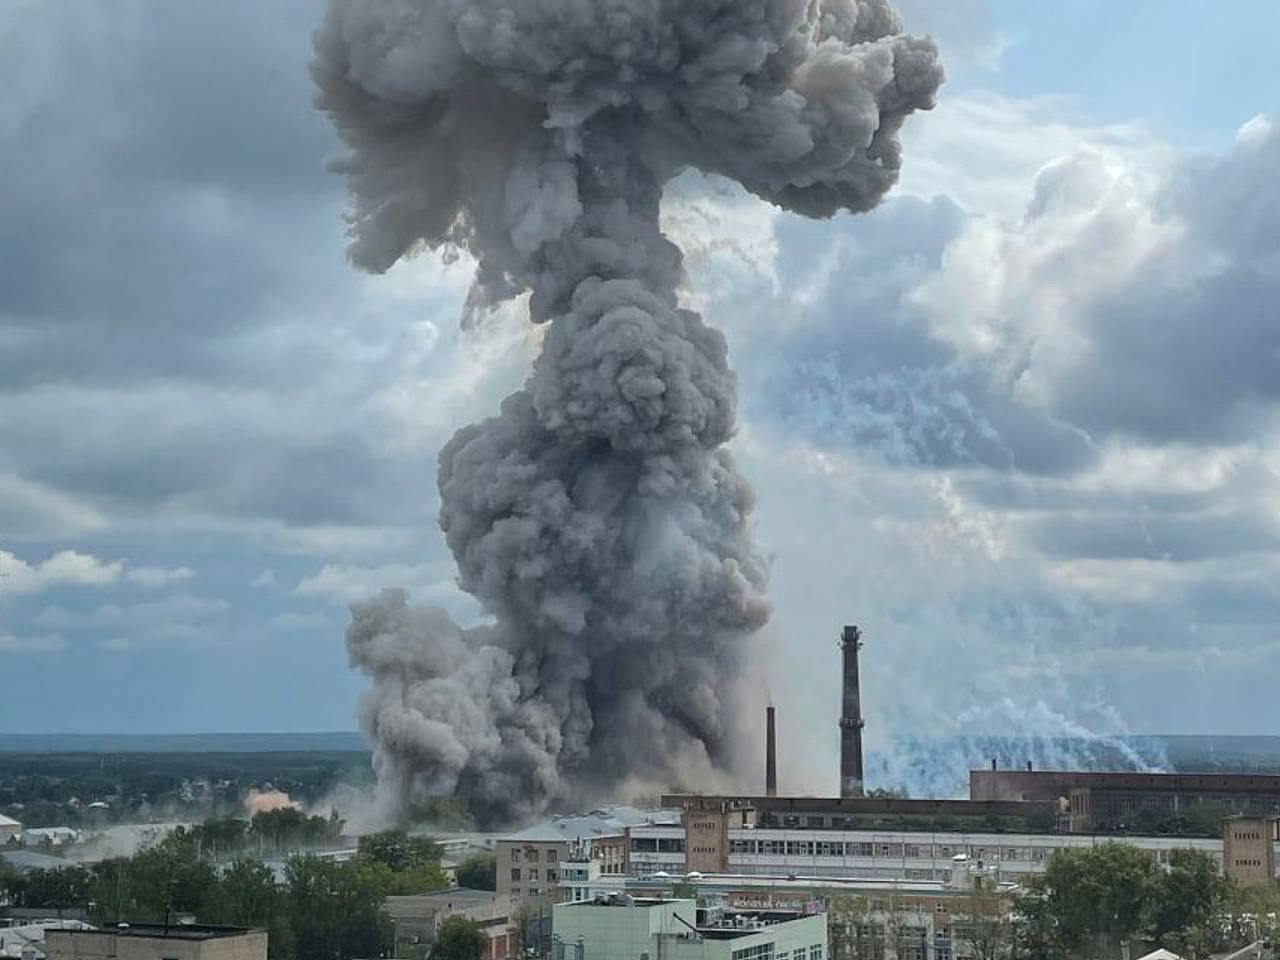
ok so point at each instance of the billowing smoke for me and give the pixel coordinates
(598, 518)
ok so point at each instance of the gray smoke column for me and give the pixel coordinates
(598, 517)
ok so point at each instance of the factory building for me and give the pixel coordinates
(878, 854)
(623, 927)
(1118, 801)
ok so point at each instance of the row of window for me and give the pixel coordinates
(896, 851)
(531, 874)
(761, 951)
(532, 855)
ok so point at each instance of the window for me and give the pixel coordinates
(533, 874)
(515, 874)
(515, 856)
(551, 875)
(815, 952)
(533, 856)
(552, 856)
(761, 951)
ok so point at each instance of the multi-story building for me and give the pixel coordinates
(876, 854)
(622, 927)
(529, 862)
(155, 941)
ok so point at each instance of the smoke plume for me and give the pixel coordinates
(598, 518)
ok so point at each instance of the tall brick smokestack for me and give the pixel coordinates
(851, 717)
(770, 754)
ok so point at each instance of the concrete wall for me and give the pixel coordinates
(108, 945)
(529, 885)
(1248, 853)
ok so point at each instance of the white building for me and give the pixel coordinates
(628, 928)
(879, 854)
(50, 836)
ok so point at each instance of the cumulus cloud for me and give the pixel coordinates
(65, 568)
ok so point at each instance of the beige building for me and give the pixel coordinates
(1248, 848)
(418, 917)
(529, 862)
(154, 941)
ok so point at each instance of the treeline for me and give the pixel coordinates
(1087, 903)
(56, 789)
(316, 910)
(268, 833)
(1093, 900)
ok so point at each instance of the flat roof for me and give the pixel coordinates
(860, 805)
(173, 931)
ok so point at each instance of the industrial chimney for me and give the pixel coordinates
(851, 717)
(770, 754)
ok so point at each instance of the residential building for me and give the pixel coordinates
(631, 928)
(1249, 848)
(417, 918)
(155, 941)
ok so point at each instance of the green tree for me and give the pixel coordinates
(479, 872)
(335, 911)
(981, 924)
(399, 851)
(246, 895)
(1188, 897)
(1102, 894)
(459, 939)
(61, 888)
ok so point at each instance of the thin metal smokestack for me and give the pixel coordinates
(770, 754)
(851, 717)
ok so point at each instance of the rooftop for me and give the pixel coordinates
(605, 822)
(172, 931)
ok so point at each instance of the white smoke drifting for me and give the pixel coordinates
(598, 517)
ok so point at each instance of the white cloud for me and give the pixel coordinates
(267, 578)
(343, 584)
(65, 568)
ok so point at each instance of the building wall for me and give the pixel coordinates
(529, 872)
(108, 945)
(1249, 849)
(1108, 798)
(658, 933)
(899, 855)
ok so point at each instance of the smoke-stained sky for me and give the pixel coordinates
(1020, 422)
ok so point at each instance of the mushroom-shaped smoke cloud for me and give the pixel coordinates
(598, 517)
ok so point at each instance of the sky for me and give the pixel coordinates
(1020, 423)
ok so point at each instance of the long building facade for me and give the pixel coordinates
(877, 854)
